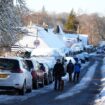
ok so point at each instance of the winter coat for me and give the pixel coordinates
(77, 67)
(58, 70)
(70, 67)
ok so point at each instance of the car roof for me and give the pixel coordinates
(70, 58)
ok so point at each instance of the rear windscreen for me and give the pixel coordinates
(29, 64)
(9, 64)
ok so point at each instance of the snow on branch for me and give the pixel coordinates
(10, 19)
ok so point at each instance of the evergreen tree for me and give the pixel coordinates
(72, 23)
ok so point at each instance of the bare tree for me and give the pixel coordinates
(93, 25)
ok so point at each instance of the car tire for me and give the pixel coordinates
(29, 90)
(42, 84)
(50, 77)
(23, 90)
(46, 80)
(35, 84)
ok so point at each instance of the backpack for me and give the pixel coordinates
(77, 68)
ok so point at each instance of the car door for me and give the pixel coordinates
(28, 75)
(40, 73)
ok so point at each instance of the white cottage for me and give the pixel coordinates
(40, 42)
(73, 42)
(49, 43)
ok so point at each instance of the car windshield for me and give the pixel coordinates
(9, 64)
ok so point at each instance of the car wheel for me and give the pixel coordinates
(46, 80)
(42, 84)
(29, 90)
(50, 77)
(23, 90)
(35, 84)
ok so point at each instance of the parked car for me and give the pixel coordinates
(100, 51)
(14, 74)
(67, 59)
(80, 57)
(70, 58)
(48, 76)
(86, 56)
(36, 72)
(49, 60)
(48, 64)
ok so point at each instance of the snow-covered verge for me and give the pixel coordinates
(100, 98)
(78, 87)
(11, 98)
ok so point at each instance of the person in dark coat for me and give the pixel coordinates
(70, 69)
(77, 68)
(58, 72)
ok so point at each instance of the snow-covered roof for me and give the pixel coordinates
(55, 45)
(50, 38)
(82, 37)
(41, 51)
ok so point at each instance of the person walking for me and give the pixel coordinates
(77, 68)
(58, 72)
(70, 69)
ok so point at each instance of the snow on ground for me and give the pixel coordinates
(82, 84)
(100, 98)
(93, 54)
(10, 98)
(77, 88)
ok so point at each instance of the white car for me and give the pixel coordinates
(86, 56)
(100, 51)
(49, 63)
(70, 58)
(80, 57)
(49, 60)
(14, 74)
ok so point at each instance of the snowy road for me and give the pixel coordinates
(82, 93)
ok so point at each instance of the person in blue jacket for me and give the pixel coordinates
(77, 68)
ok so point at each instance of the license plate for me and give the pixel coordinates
(3, 75)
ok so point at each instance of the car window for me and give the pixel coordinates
(24, 65)
(29, 64)
(9, 64)
(37, 66)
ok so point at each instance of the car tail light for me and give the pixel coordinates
(17, 70)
